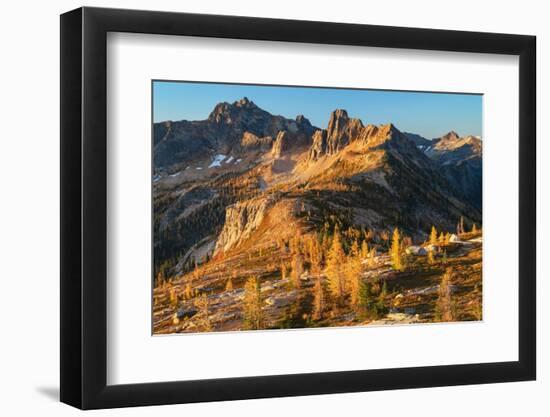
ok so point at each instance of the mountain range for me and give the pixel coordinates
(243, 178)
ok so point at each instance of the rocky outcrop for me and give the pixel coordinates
(250, 141)
(184, 142)
(280, 145)
(341, 130)
(319, 145)
(241, 220)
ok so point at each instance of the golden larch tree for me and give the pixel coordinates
(444, 309)
(252, 305)
(433, 236)
(395, 251)
(336, 266)
(353, 273)
(297, 270)
(364, 249)
(229, 284)
(318, 299)
(203, 315)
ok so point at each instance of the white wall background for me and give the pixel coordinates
(29, 225)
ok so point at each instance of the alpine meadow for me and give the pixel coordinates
(300, 207)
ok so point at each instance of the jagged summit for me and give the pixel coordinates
(341, 129)
(223, 112)
(245, 103)
(449, 137)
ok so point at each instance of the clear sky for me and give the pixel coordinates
(428, 114)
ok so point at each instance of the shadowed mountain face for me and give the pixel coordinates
(243, 178)
(459, 159)
(238, 128)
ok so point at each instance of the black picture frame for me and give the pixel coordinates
(84, 207)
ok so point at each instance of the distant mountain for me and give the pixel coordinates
(244, 178)
(420, 141)
(460, 159)
(234, 129)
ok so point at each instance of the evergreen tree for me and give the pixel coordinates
(188, 293)
(364, 249)
(384, 291)
(335, 267)
(160, 278)
(283, 270)
(252, 305)
(395, 251)
(372, 258)
(297, 270)
(353, 273)
(203, 315)
(444, 310)
(173, 297)
(363, 304)
(318, 299)
(229, 285)
(316, 257)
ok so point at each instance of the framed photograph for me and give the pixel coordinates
(257, 208)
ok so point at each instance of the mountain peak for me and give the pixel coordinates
(244, 103)
(302, 120)
(339, 114)
(226, 112)
(341, 129)
(451, 136)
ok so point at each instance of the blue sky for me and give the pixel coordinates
(428, 114)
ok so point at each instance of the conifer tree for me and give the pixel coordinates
(160, 278)
(364, 249)
(395, 251)
(318, 299)
(283, 270)
(372, 258)
(444, 310)
(433, 236)
(297, 270)
(252, 305)
(441, 238)
(316, 257)
(229, 285)
(364, 299)
(173, 297)
(188, 293)
(335, 267)
(384, 291)
(203, 315)
(353, 273)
